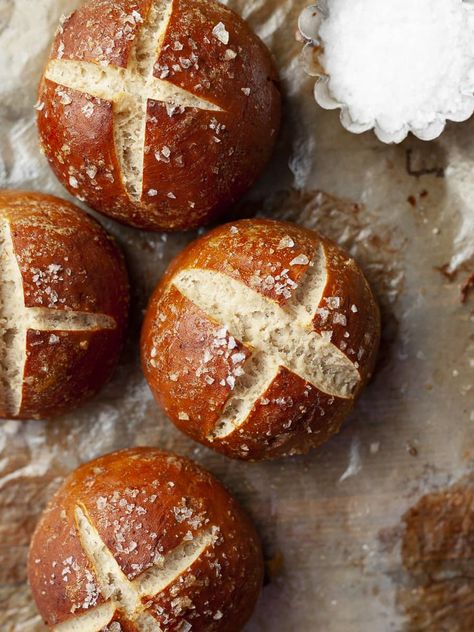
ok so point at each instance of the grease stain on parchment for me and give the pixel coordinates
(437, 550)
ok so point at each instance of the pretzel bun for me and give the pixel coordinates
(259, 338)
(63, 305)
(144, 540)
(158, 113)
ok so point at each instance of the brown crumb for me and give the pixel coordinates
(274, 566)
(446, 272)
(421, 169)
(466, 288)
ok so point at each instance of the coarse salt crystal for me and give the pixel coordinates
(333, 302)
(300, 260)
(88, 109)
(183, 416)
(221, 33)
(238, 357)
(339, 319)
(137, 17)
(91, 171)
(285, 242)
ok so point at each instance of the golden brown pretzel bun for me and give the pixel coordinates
(259, 338)
(63, 305)
(144, 540)
(158, 113)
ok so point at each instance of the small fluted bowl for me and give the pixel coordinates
(310, 22)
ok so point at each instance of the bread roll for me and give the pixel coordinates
(259, 338)
(144, 541)
(63, 305)
(158, 113)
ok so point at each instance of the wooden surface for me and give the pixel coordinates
(331, 522)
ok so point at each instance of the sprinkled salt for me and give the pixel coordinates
(64, 97)
(88, 109)
(333, 302)
(238, 357)
(339, 319)
(73, 182)
(285, 242)
(183, 416)
(91, 171)
(152, 193)
(137, 17)
(221, 33)
(399, 66)
(300, 260)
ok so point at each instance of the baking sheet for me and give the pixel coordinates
(332, 522)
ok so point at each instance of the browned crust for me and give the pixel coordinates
(205, 175)
(67, 262)
(293, 415)
(143, 491)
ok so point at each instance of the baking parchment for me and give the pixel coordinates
(331, 521)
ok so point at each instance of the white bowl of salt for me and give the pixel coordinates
(395, 66)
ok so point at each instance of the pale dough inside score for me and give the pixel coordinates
(130, 89)
(121, 593)
(16, 320)
(279, 337)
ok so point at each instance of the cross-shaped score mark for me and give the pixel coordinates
(130, 89)
(125, 596)
(278, 337)
(16, 320)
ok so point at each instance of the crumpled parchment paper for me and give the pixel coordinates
(407, 214)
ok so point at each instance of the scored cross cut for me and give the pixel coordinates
(16, 320)
(128, 597)
(278, 337)
(129, 89)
